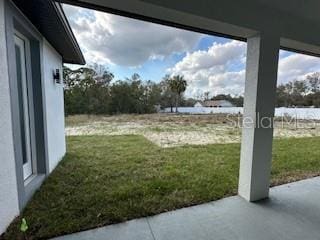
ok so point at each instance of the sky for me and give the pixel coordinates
(208, 63)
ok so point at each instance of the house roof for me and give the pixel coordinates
(216, 102)
(49, 18)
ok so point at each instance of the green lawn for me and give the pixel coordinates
(109, 179)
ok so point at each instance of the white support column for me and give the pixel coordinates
(259, 104)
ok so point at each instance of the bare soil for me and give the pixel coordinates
(169, 130)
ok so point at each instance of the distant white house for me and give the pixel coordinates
(198, 104)
(217, 103)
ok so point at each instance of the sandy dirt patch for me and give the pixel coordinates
(167, 130)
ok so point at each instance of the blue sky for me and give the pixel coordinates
(209, 63)
(155, 69)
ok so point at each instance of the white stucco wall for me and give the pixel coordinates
(9, 206)
(54, 105)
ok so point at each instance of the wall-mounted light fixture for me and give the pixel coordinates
(56, 76)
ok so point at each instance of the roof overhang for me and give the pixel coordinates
(296, 22)
(49, 18)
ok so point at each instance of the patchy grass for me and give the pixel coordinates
(172, 130)
(109, 179)
(217, 118)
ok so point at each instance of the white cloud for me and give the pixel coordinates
(297, 66)
(106, 38)
(214, 70)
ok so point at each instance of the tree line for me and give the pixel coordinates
(88, 90)
(93, 90)
(300, 93)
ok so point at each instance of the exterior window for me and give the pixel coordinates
(24, 104)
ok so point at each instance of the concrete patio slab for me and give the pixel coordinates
(137, 229)
(292, 212)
